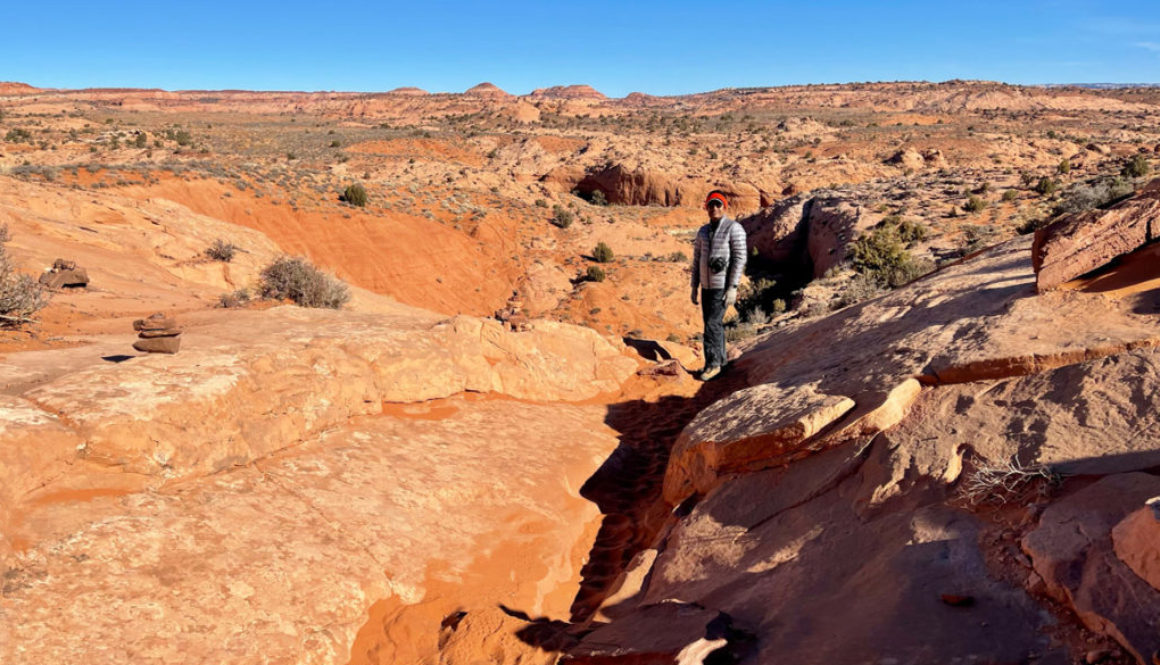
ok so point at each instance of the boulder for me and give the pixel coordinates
(778, 233)
(1136, 540)
(833, 223)
(934, 157)
(1072, 551)
(908, 158)
(64, 273)
(1079, 243)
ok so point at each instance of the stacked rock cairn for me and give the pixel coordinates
(513, 315)
(157, 334)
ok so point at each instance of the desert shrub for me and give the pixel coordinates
(18, 134)
(910, 233)
(598, 198)
(1010, 195)
(1096, 195)
(1031, 225)
(756, 317)
(1137, 167)
(21, 296)
(561, 218)
(1064, 167)
(737, 331)
(975, 204)
(756, 294)
(595, 274)
(355, 194)
(221, 250)
(863, 287)
(142, 140)
(541, 203)
(1046, 186)
(296, 279)
(182, 137)
(882, 255)
(602, 253)
(677, 257)
(336, 143)
(239, 298)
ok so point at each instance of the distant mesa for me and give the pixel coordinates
(640, 99)
(410, 91)
(487, 90)
(568, 92)
(16, 88)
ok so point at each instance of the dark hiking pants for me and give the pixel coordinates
(713, 312)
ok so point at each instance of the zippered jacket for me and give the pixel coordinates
(728, 243)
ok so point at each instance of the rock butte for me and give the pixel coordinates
(963, 469)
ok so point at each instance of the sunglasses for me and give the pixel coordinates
(715, 203)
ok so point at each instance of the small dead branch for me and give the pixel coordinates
(1001, 484)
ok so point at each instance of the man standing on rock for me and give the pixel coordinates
(719, 255)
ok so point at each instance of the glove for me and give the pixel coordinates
(694, 295)
(730, 297)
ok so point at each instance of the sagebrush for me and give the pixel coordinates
(21, 296)
(296, 279)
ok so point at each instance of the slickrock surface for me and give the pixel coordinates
(250, 383)
(360, 513)
(335, 449)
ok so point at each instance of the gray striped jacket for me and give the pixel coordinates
(729, 243)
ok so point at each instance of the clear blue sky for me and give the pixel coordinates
(618, 47)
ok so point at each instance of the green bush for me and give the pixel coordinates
(882, 255)
(142, 140)
(1064, 167)
(561, 218)
(910, 233)
(1010, 195)
(975, 204)
(355, 194)
(602, 253)
(17, 135)
(598, 198)
(296, 279)
(756, 295)
(1046, 186)
(595, 274)
(1137, 167)
(1031, 225)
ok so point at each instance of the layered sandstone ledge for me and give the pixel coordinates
(250, 498)
(251, 383)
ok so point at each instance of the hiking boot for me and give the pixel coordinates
(710, 373)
